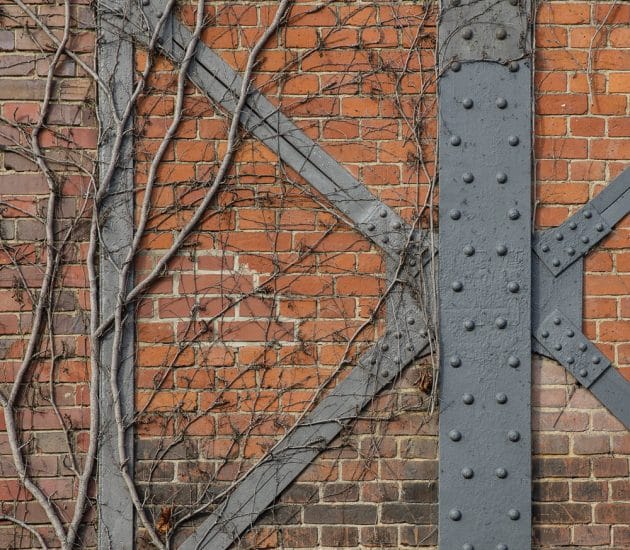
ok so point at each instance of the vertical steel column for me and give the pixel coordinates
(485, 272)
(115, 67)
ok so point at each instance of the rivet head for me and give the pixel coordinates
(501, 102)
(456, 66)
(513, 435)
(456, 140)
(570, 360)
(469, 250)
(559, 236)
(410, 320)
(599, 227)
(455, 214)
(398, 335)
(502, 177)
(385, 346)
(585, 239)
(385, 374)
(514, 214)
(424, 333)
(455, 361)
(588, 214)
(555, 262)
(469, 325)
(557, 321)
(501, 473)
(557, 346)
(570, 333)
(385, 239)
(545, 248)
(455, 435)
(468, 546)
(500, 322)
(145, 2)
(412, 262)
(502, 547)
(468, 398)
(373, 361)
(468, 177)
(545, 334)
(467, 473)
(595, 360)
(583, 373)
(513, 141)
(571, 251)
(501, 249)
(513, 361)
(371, 227)
(467, 103)
(455, 3)
(514, 514)
(514, 287)
(582, 346)
(457, 286)
(501, 398)
(396, 225)
(572, 226)
(500, 34)
(514, 66)
(467, 34)
(455, 514)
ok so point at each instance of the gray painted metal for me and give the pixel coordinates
(489, 30)
(586, 363)
(549, 293)
(485, 278)
(559, 247)
(222, 84)
(570, 347)
(406, 339)
(115, 66)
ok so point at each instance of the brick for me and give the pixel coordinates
(359, 514)
(422, 514)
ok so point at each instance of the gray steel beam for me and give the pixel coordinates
(115, 67)
(485, 275)
(222, 84)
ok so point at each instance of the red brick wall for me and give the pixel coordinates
(259, 310)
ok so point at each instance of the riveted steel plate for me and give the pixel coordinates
(485, 306)
(558, 248)
(491, 30)
(570, 347)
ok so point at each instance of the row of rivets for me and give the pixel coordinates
(455, 361)
(468, 177)
(512, 435)
(456, 514)
(457, 141)
(500, 34)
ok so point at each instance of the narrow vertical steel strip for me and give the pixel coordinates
(115, 67)
(485, 106)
